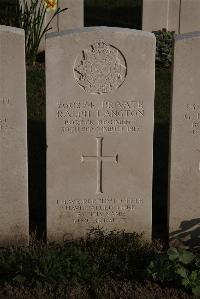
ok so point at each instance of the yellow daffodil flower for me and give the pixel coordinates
(50, 4)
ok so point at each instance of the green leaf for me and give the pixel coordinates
(185, 282)
(173, 254)
(196, 291)
(186, 257)
(182, 271)
(151, 265)
(197, 262)
(194, 275)
(154, 276)
(19, 279)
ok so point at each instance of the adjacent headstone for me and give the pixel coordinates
(189, 18)
(184, 218)
(13, 139)
(173, 23)
(100, 99)
(159, 14)
(72, 18)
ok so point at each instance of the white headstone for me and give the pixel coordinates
(13, 139)
(100, 99)
(184, 210)
(159, 14)
(72, 18)
(189, 18)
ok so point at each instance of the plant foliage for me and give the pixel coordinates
(97, 263)
(31, 18)
(87, 262)
(181, 267)
(164, 48)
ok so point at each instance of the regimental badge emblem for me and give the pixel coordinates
(100, 69)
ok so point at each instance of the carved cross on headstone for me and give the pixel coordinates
(99, 159)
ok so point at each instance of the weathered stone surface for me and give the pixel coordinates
(190, 12)
(100, 98)
(154, 15)
(72, 18)
(13, 139)
(173, 23)
(184, 210)
(159, 14)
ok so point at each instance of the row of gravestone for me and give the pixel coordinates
(100, 106)
(180, 16)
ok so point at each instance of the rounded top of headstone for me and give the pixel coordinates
(10, 29)
(101, 29)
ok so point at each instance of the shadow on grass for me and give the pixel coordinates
(37, 177)
(127, 17)
(188, 234)
(161, 155)
(160, 182)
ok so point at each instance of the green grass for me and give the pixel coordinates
(109, 290)
(162, 97)
(36, 93)
(103, 265)
(100, 256)
(161, 154)
(89, 263)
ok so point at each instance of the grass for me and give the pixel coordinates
(161, 154)
(36, 93)
(162, 97)
(99, 257)
(103, 265)
(109, 290)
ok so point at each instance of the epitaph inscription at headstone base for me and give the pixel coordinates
(100, 99)
(13, 139)
(184, 213)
